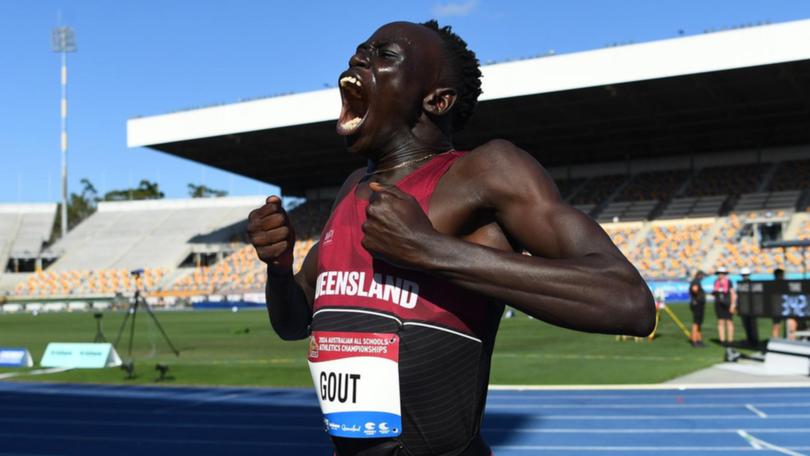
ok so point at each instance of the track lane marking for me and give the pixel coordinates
(760, 444)
(52, 370)
(756, 411)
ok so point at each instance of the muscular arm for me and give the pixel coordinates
(575, 278)
(289, 297)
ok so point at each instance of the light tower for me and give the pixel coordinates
(63, 41)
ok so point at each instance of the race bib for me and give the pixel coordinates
(356, 376)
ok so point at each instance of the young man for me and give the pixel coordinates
(403, 294)
(697, 304)
(725, 304)
(749, 322)
(792, 323)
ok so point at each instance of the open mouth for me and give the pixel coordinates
(354, 108)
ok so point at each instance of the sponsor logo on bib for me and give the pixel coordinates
(356, 376)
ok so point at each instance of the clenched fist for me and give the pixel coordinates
(396, 228)
(272, 234)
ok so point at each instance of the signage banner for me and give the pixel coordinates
(89, 356)
(15, 357)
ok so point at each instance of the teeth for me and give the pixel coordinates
(352, 124)
(350, 80)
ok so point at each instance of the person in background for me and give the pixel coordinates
(697, 304)
(792, 324)
(749, 322)
(725, 304)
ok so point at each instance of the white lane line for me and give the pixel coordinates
(760, 444)
(717, 405)
(756, 411)
(647, 431)
(751, 441)
(52, 370)
(140, 438)
(747, 416)
(653, 386)
(269, 427)
(204, 401)
(628, 449)
(539, 396)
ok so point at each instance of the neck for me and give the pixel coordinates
(417, 143)
(405, 153)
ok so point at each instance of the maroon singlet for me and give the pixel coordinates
(446, 334)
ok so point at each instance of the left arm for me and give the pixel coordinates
(575, 278)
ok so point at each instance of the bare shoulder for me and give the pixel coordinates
(500, 169)
(348, 185)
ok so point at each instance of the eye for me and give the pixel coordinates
(388, 54)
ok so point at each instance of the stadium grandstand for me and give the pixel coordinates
(689, 161)
(24, 230)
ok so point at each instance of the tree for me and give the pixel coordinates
(201, 191)
(145, 190)
(80, 206)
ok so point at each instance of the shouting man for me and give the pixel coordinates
(402, 296)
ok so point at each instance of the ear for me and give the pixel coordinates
(440, 101)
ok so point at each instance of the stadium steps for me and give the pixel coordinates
(578, 189)
(9, 281)
(792, 229)
(618, 191)
(767, 176)
(661, 208)
(713, 246)
(803, 201)
(5, 253)
(685, 185)
(172, 277)
(80, 239)
(157, 228)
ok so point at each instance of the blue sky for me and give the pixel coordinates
(152, 57)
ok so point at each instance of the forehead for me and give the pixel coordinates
(407, 34)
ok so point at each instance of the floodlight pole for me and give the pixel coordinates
(63, 41)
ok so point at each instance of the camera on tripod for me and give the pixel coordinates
(137, 302)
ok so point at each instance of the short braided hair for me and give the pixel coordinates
(466, 73)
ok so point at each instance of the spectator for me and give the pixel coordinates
(697, 303)
(725, 304)
(776, 329)
(749, 322)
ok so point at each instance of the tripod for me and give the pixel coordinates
(99, 331)
(139, 301)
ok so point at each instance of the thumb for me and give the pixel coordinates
(273, 200)
(378, 187)
(390, 189)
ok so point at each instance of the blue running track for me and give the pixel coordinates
(51, 419)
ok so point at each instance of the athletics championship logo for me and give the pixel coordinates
(313, 347)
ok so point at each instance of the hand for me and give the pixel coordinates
(272, 235)
(396, 227)
(733, 310)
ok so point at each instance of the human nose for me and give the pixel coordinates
(360, 58)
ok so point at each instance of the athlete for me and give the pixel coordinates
(402, 296)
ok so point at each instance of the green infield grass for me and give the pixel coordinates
(239, 348)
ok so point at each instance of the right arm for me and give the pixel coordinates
(289, 297)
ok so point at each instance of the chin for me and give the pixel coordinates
(359, 145)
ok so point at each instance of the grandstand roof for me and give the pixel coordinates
(738, 89)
